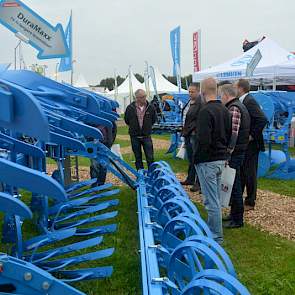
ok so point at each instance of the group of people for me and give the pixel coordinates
(226, 130)
(222, 125)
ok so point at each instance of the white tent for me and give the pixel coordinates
(124, 87)
(162, 84)
(81, 82)
(276, 64)
(124, 92)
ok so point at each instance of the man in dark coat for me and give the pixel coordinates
(237, 147)
(256, 143)
(189, 132)
(140, 116)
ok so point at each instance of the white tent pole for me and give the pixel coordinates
(130, 85)
(146, 80)
(116, 85)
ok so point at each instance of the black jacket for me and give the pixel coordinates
(214, 132)
(190, 123)
(131, 120)
(258, 121)
(244, 130)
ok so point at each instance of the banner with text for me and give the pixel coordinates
(197, 50)
(66, 63)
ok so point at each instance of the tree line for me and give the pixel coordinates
(110, 81)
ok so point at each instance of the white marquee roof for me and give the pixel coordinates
(276, 63)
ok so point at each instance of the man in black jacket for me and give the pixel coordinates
(214, 131)
(237, 148)
(189, 132)
(256, 143)
(140, 116)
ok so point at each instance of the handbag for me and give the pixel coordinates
(227, 180)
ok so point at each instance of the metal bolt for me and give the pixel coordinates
(160, 280)
(27, 276)
(45, 285)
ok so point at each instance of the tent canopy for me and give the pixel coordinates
(276, 63)
(162, 84)
(124, 87)
(81, 82)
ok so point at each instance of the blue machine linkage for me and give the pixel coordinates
(170, 120)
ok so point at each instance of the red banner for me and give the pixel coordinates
(197, 51)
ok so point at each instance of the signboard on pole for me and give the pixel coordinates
(175, 48)
(251, 66)
(197, 50)
(50, 41)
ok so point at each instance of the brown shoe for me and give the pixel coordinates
(195, 188)
(248, 208)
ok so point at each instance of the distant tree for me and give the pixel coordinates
(110, 82)
(139, 78)
(173, 80)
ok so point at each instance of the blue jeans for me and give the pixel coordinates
(209, 174)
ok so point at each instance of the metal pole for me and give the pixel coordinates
(72, 72)
(57, 64)
(15, 51)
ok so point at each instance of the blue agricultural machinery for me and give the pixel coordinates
(279, 108)
(41, 119)
(170, 119)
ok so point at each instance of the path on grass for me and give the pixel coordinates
(274, 213)
(159, 144)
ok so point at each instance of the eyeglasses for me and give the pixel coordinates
(141, 96)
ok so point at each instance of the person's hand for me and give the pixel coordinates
(230, 150)
(251, 138)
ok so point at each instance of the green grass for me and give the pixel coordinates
(122, 143)
(264, 263)
(81, 160)
(125, 260)
(283, 187)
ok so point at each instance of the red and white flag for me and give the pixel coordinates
(197, 50)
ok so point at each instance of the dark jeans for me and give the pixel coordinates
(237, 204)
(190, 144)
(98, 171)
(147, 144)
(249, 173)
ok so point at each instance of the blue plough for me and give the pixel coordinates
(41, 119)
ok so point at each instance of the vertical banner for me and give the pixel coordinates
(66, 63)
(197, 50)
(175, 48)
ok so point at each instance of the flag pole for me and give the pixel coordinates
(72, 61)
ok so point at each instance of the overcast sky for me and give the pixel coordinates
(113, 34)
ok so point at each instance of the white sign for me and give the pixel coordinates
(27, 25)
(251, 66)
